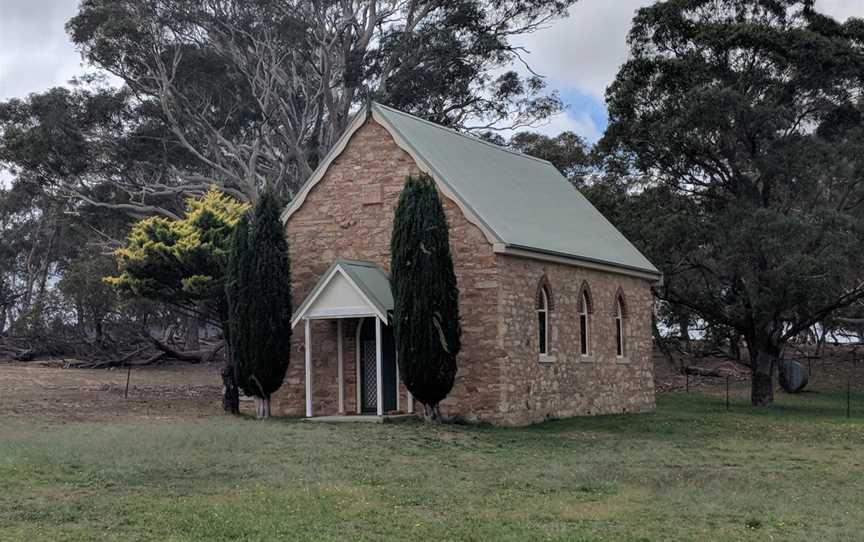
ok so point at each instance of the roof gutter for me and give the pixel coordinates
(567, 259)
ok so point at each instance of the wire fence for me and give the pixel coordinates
(835, 385)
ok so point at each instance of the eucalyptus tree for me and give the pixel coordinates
(751, 112)
(258, 91)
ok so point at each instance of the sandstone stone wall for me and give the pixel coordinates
(569, 384)
(349, 214)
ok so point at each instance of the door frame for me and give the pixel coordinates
(358, 346)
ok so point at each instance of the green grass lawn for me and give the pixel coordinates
(691, 471)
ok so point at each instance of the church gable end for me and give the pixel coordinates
(348, 213)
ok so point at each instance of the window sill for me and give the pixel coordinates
(546, 358)
(623, 360)
(586, 358)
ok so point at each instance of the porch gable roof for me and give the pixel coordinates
(348, 289)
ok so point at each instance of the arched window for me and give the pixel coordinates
(584, 303)
(543, 319)
(619, 326)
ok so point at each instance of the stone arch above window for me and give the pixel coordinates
(544, 288)
(585, 293)
(619, 301)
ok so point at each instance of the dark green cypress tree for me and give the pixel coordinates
(426, 297)
(261, 305)
(236, 280)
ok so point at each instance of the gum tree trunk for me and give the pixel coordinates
(735, 346)
(764, 357)
(193, 333)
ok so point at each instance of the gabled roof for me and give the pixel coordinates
(370, 286)
(522, 204)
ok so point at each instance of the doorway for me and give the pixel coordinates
(367, 368)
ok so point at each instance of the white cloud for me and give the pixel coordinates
(35, 52)
(584, 51)
(841, 9)
(578, 122)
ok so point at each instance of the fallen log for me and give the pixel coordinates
(126, 361)
(191, 356)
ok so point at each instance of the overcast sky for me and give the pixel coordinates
(579, 55)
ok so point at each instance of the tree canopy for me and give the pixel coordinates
(752, 113)
(182, 262)
(258, 91)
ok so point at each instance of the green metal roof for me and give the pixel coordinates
(524, 201)
(372, 280)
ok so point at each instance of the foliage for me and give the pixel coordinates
(568, 152)
(182, 262)
(259, 301)
(92, 298)
(259, 91)
(426, 297)
(99, 146)
(748, 116)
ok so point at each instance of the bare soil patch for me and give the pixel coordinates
(34, 391)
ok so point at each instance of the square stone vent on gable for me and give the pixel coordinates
(372, 194)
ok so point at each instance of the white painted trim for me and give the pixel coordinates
(338, 314)
(298, 315)
(357, 365)
(586, 340)
(308, 339)
(619, 330)
(355, 124)
(339, 367)
(379, 365)
(546, 350)
(396, 361)
(303, 312)
(575, 261)
(381, 315)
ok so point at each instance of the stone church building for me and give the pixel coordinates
(555, 302)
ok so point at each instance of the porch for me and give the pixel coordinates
(354, 297)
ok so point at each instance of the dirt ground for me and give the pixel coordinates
(34, 391)
(46, 392)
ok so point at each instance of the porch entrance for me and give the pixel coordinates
(354, 289)
(367, 367)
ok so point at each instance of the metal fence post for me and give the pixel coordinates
(128, 374)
